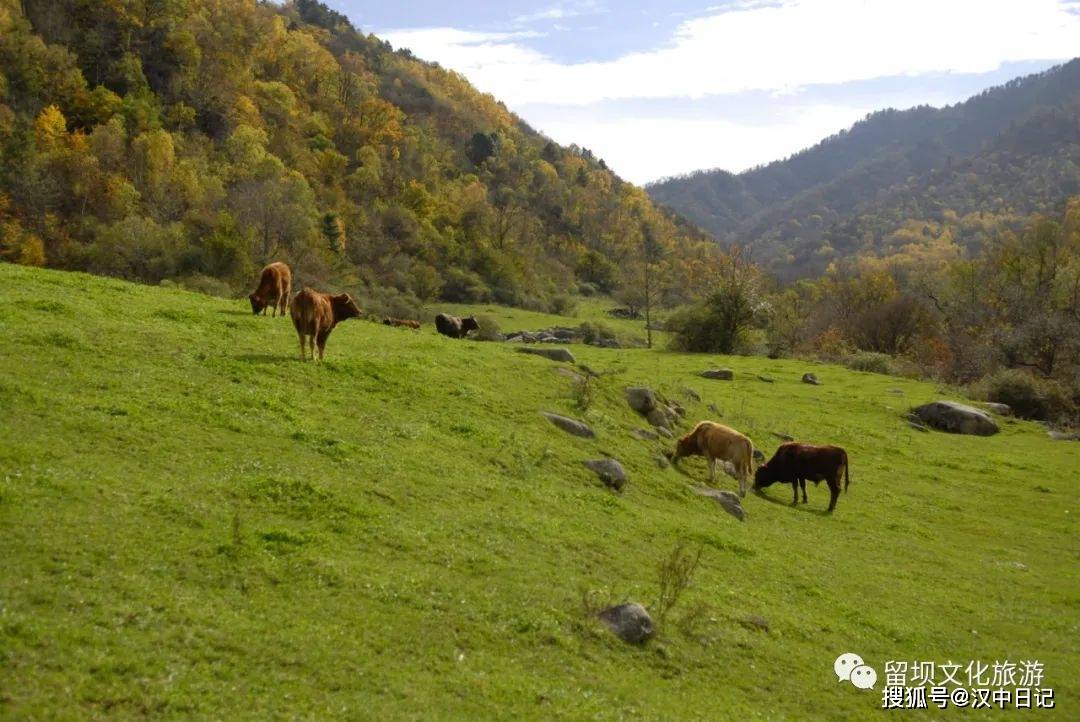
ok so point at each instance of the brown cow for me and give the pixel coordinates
(275, 287)
(716, 441)
(315, 314)
(401, 322)
(455, 327)
(794, 463)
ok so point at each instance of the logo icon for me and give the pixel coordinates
(849, 667)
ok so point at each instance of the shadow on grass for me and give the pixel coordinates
(797, 507)
(267, 358)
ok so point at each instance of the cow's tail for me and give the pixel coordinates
(847, 478)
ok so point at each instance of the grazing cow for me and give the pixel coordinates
(401, 322)
(315, 314)
(718, 442)
(794, 463)
(455, 327)
(275, 287)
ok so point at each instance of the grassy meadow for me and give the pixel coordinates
(195, 524)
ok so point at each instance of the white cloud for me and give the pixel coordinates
(776, 46)
(769, 47)
(646, 149)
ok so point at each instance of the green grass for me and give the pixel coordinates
(195, 524)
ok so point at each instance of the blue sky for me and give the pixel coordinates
(661, 88)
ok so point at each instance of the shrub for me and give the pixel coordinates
(562, 305)
(465, 287)
(713, 326)
(872, 362)
(595, 331)
(674, 575)
(489, 329)
(1028, 396)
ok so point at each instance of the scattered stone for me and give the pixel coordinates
(719, 374)
(677, 409)
(624, 313)
(727, 499)
(809, 378)
(610, 471)
(645, 434)
(630, 622)
(606, 343)
(1063, 435)
(555, 354)
(664, 432)
(570, 426)
(692, 395)
(755, 621)
(999, 409)
(641, 399)
(572, 375)
(956, 418)
(713, 408)
(782, 437)
(660, 417)
(589, 371)
(766, 379)
(661, 461)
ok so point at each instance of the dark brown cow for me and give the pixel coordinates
(316, 314)
(401, 322)
(275, 287)
(455, 327)
(794, 463)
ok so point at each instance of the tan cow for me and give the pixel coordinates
(316, 314)
(275, 287)
(718, 442)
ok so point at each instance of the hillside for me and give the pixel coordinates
(195, 524)
(197, 140)
(1000, 156)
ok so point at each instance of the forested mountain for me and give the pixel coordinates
(900, 178)
(194, 140)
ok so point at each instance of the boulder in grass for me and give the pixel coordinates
(610, 471)
(641, 399)
(719, 374)
(630, 622)
(809, 378)
(570, 426)
(555, 354)
(645, 434)
(727, 499)
(956, 418)
(999, 409)
(766, 379)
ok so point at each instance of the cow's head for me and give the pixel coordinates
(763, 477)
(257, 304)
(685, 446)
(344, 307)
(469, 324)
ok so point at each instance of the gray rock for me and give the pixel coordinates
(570, 426)
(715, 409)
(1063, 435)
(664, 432)
(606, 343)
(956, 418)
(755, 621)
(692, 395)
(641, 399)
(661, 461)
(727, 499)
(917, 426)
(572, 375)
(645, 434)
(999, 409)
(809, 378)
(782, 437)
(555, 354)
(610, 471)
(721, 374)
(759, 455)
(766, 379)
(630, 622)
(586, 369)
(660, 417)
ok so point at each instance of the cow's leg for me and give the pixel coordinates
(802, 485)
(712, 469)
(834, 490)
(321, 338)
(303, 356)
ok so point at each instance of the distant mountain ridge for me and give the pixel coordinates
(1012, 150)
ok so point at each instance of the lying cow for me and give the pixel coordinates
(718, 442)
(455, 327)
(275, 287)
(401, 322)
(794, 463)
(316, 314)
